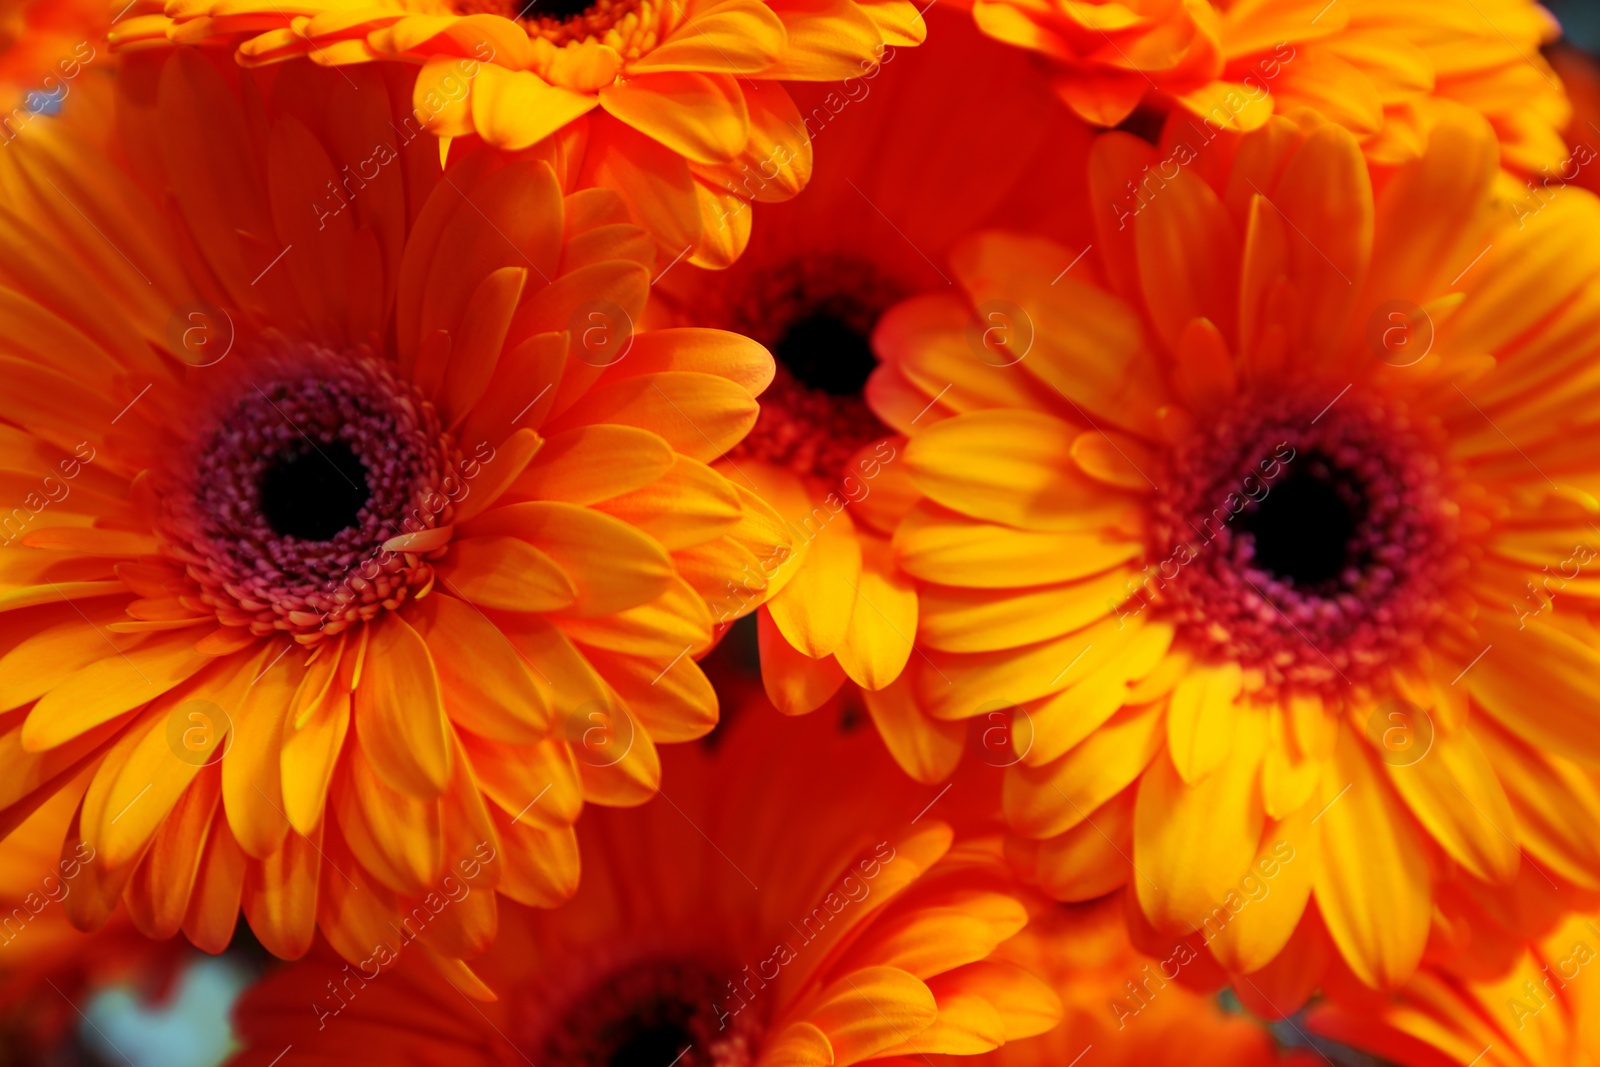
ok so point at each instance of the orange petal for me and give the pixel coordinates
(399, 710)
(698, 115)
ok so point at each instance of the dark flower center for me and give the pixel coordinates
(314, 493)
(557, 21)
(560, 10)
(1304, 529)
(827, 353)
(657, 1044)
(662, 1013)
(1306, 543)
(300, 469)
(816, 313)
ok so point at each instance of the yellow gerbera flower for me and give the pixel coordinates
(1378, 67)
(801, 913)
(344, 556)
(674, 104)
(1279, 531)
(900, 182)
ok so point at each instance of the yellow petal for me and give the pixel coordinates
(1086, 862)
(795, 682)
(1188, 254)
(675, 623)
(1193, 843)
(1046, 730)
(310, 753)
(799, 1045)
(733, 37)
(1200, 719)
(1326, 196)
(882, 623)
(1372, 882)
(1252, 923)
(675, 703)
(926, 748)
(699, 115)
(537, 784)
(871, 1010)
(110, 686)
(1554, 802)
(1455, 793)
(1560, 713)
(939, 545)
(983, 620)
(1049, 800)
(828, 40)
(617, 760)
(1013, 467)
(252, 793)
(515, 109)
(813, 610)
(398, 837)
(541, 865)
(1026, 1005)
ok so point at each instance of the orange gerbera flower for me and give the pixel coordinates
(804, 912)
(889, 196)
(1280, 533)
(1125, 1006)
(334, 572)
(1380, 68)
(1542, 1009)
(675, 105)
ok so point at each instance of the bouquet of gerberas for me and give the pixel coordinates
(786, 533)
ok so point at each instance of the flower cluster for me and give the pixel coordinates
(787, 533)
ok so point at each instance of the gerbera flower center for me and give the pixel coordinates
(816, 315)
(303, 467)
(826, 352)
(664, 1013)
(314, 493)
(627, 25)
(1304, 529)
(1305, 543)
